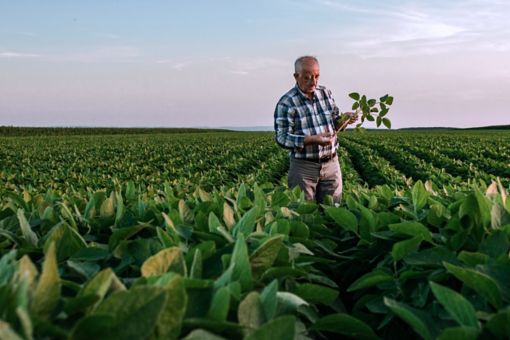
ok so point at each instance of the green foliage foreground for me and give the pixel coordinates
(255, 262)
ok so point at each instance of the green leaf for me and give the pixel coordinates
(213, 222)
(196, 266)
(371, 102)
(241, 264)
(120, 208)
(371, 279)
(123, 234)
(100, 284)
(389, 100)
(288, 303)
(355, 106)
(229, 329)
(378, 120)
(403, 248)
(124, 315)
(26, 230)
(345, 324)
(411, 228)
(343, 218)
(313, 293)
(268, 299)
(473, 259)
(166, 260)
(459, 333)
(459, 308)
(354, 95)
(250, 312)
(419, 195)
(282, 328)
(67, 240)
(80, 303)
(220, 304)
(416, 319)
(264, 256)
(479, 282)
(85, 269)
(47, 291)
(200, 334)
(367, 223)
(165, 238)
(170, 320)
(496, 244)
(499, 324)
(386, 122)
(246, 224)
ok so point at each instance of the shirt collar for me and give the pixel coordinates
(304, 95)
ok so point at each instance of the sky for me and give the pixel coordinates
(226, 63)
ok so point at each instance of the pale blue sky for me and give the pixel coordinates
(226, 63)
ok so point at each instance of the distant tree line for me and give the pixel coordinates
(8, 131)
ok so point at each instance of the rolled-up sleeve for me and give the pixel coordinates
(285, 129)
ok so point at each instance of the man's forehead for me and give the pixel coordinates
(310, 67)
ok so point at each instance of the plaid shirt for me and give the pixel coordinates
(297, 116)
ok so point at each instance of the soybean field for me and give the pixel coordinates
(195, 234)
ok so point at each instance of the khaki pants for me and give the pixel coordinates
(316, 180)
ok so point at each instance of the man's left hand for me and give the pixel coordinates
(353, 117)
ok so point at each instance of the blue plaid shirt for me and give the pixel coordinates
(297, 116)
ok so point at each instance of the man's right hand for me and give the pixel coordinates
(323, 139)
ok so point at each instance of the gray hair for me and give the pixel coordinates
(298, 64)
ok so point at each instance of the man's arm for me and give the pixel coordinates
(284, 128)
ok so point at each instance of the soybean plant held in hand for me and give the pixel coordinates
(368, 110)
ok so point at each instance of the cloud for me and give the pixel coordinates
(103, 54)
(246, 66)
(401, 29)
(11, 54)
(175, 64)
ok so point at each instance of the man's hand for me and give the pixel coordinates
(320, 139)
(353, 118)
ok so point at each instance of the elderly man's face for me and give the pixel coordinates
(308, 77)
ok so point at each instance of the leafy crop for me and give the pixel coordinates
(369, 111)
(121, 245)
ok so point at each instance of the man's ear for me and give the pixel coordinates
(296, 75)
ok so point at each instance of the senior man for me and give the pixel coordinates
(306, 121)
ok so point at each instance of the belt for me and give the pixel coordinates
(322, 159)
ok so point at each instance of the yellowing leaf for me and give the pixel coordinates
(228, 216)
(107, 207)
(170, 320)
(166, 260)
(27, 270)
(264, 256)
(47, 292)
(185, 213)
(26, 230)
(250, 313)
